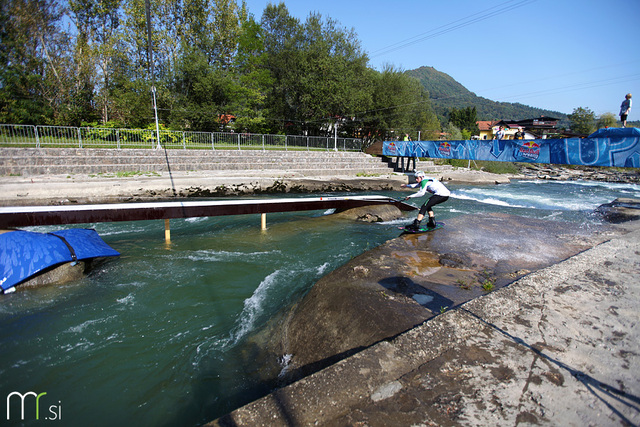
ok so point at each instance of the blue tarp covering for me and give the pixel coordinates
(25, 253)
(615, 133)
(620, 149)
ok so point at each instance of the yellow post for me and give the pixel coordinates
(263, 221)
(167, 231)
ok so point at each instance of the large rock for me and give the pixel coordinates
(374, 213)
(409, 279)
(620, 210)
(59, 275)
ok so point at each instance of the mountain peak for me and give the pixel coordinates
(447, 93)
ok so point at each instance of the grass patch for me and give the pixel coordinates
(492, 167)
(487, 282)
(124, 174)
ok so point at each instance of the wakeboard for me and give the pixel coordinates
(422, 229)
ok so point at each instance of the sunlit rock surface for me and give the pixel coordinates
(408, 280)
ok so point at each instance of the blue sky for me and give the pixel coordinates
(553, 54)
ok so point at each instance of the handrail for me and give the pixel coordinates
(12, 135)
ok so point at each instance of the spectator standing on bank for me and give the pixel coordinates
(625, 107)
(518, 135)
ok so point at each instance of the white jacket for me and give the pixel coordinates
(432, 186)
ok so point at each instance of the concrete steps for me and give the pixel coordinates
(34, 161)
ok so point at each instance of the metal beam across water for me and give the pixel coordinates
(23, 216)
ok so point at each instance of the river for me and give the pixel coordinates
(156, 336)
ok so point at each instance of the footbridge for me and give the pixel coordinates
(23, 216)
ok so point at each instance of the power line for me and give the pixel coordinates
(578, 86)
(455, 25)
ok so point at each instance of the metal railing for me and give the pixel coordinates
(76, 137)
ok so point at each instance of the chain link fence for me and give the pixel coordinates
(74, 137)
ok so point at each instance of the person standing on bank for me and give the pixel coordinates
(624, 110)
(440, 194)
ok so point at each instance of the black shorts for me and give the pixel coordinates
(623, 117)
(433, 200)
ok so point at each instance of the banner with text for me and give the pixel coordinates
(607, 147)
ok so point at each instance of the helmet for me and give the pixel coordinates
(420, 174)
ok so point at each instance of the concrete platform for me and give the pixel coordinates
(560, 346)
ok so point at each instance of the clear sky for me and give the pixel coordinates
(552, 54)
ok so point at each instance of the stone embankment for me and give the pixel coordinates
(63, 176)
(563, 173)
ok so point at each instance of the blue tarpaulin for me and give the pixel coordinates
(617, 147)
(25, 253)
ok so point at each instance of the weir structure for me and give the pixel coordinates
(23, 216)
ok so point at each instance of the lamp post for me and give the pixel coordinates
(155, 110)
(150, 63)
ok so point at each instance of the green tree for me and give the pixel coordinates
(253, 79)
(202, 93)
(582, 120)
(465, 119)
(607, 120)
(98, 22)
(453, 132)
(30, 80)
(399, 105)
(282, 39)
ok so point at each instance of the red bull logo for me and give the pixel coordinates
(392, 149)
(529, 150)
(445, 148)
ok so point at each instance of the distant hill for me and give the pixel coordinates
(446, 93)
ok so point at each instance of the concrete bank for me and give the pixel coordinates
(560, 346)
(109, 188)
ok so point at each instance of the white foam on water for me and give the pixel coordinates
(128, 300)
(213, 255)
(607, 185)
(399, 221)
(321, 269)
(196, 219)
(81, 327)
(285, 362)
(253, 307)
(486, 200)
(521, 198)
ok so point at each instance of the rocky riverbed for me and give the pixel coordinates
(564, 173)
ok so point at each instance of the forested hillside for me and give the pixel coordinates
(446, 93)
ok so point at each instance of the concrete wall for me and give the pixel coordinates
(55, 161)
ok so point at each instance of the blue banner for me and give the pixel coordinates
(607, 147)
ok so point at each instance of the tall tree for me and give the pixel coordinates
(400, 105)
(29, 60)
(98, 22)
(582, 120)
(465, 119)
(253, 79)
(282, 40)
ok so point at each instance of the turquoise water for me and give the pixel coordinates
(156, 336)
